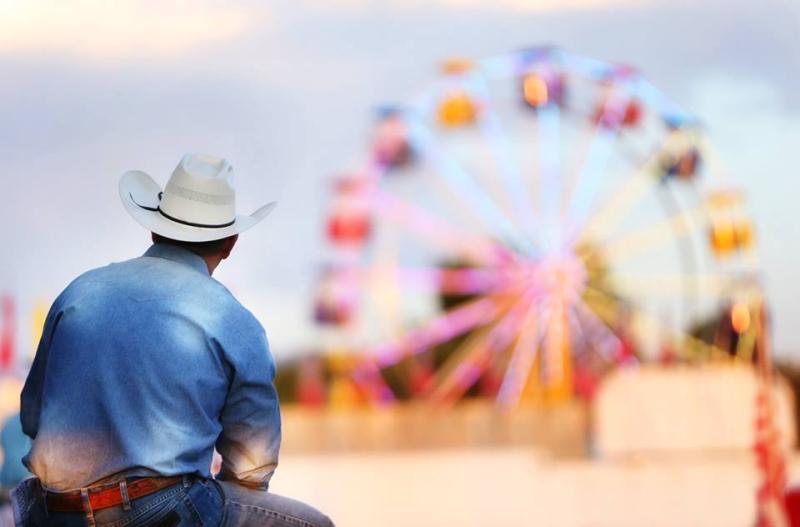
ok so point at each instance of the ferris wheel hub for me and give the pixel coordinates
(560, 277)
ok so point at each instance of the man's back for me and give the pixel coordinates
(145, 365)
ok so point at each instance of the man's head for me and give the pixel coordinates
(195, 210)
(213, 252)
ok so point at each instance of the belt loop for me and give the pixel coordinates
(186, 482)
(123, 490)
(87, 507)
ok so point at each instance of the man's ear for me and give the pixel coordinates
(228, 247)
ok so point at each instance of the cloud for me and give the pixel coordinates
(495, 5)
(98, 29)
(546, 5)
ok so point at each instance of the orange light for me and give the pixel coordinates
(457, 109)
(534, 89)
(740, 317)
(723, 237)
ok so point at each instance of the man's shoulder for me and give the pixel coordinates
(145, 278)
(241, 318)
(138, 280)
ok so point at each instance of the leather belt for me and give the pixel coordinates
(103, 498)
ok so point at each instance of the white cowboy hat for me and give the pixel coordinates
(198, 203)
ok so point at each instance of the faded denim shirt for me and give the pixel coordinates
(143, 368)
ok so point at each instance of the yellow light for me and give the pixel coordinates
(740, 317)
(723, 237)
(457, 109)
(534, 89)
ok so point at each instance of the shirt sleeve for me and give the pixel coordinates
(251, 421)
(31, 397)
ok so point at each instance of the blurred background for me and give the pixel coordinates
(533, 261)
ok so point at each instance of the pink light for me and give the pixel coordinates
(523, 356)
(498, 339)
(457, 281)
(436, 230)
(369, 378)
(438, 330)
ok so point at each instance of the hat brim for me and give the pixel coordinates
(139, 193)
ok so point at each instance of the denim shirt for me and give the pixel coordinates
(143, 368)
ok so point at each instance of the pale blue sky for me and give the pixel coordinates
(285, 91)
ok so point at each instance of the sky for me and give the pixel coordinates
(286, 90)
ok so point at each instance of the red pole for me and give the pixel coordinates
(770, 502)
(9, 326)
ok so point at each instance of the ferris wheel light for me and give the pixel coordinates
(457, 109)
(723, 237)
(740, 317)
(535, 91)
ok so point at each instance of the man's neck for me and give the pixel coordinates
(212, 262)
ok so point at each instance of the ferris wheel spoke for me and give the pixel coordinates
(677, 226)
(457, 321)
(595, 325)
(693, 346)
(464, 186)
(523, 356)
(435, 231)
(603, 305)
(471, 359)
(459, 281)
(549, 192)
(584, 186)
(556, 353)
(618, 205)
(672, 284)
(382, 283)
(368, 377)
(463, 368)
(492, 127)
(615, 207)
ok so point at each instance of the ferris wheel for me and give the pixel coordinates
(525, 222)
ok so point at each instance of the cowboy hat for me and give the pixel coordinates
(198, 203)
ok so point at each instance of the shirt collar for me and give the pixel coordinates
(178, 254)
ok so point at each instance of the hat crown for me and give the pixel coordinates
(200, 191)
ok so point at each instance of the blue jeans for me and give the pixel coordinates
(196, 502)
(244, 507)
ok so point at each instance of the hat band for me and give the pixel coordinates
(190, 224)
(183, 222)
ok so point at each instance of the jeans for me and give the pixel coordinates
(195, 503)
(244, 507)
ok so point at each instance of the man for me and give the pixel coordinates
(145, 366)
